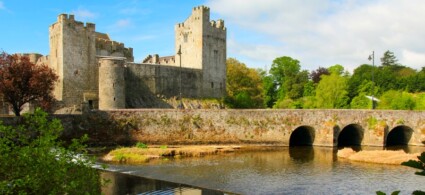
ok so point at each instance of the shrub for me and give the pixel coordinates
(33, 161)
(141, 145)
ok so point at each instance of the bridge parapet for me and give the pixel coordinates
(282, 127)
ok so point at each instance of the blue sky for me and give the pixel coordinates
(316, 32)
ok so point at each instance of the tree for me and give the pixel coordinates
(336, 69)
(289, 79)
(244, 86)
(21, 82)
(33, 161)
(269, 91)
(316, 74)
(332, 92)
(397, 100)
(389, 59)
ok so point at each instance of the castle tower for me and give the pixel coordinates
(203, 46)
(112, 85)
(73, 57)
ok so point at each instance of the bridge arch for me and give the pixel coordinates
(302, 136)
(399, 135)
(351, 135)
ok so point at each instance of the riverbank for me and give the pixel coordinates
(377, 156)
(143, 153)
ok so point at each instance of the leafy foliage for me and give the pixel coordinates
(287, 86)
(22, 82)
(244, 86)
(33, 161)
(397, 100)
(141, 145)
(332, 92)
(419, 164)
(316, 74)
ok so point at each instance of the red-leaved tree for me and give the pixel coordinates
(23, 82)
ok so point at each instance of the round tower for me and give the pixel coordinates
(111, 83)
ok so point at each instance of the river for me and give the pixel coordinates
(287, 170)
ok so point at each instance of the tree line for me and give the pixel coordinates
(285, 85)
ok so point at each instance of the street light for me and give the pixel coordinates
(372, 57)
(180, 86)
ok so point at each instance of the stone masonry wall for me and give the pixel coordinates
(146, 83)
(173, 126)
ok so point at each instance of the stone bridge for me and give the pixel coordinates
(284, 127)
(227, 126)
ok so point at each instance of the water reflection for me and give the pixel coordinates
(355, 148)
(129, 184)
(407, 149)
(302, 154)
(291, 170)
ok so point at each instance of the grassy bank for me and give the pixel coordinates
(144, 154)
(377, 156)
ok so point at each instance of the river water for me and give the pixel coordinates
(288, 170)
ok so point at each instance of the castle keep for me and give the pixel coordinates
(101, 73)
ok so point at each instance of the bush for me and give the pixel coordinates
(33, 161)
(141, 145)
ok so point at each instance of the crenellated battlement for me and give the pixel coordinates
(201, 8)
(70, 19)
(106, 47)
(201, 13)
(218, 24)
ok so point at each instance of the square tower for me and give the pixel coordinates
(203, 46)
(73, 57)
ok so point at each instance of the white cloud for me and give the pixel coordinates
(2, 5)
(123, 23)
(415, 59)
(84, 14)
(325, 32)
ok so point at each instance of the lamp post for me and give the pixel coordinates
(372, 57)
(180, 85)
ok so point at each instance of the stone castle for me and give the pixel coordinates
(100, 73)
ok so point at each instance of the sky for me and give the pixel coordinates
(318, 33)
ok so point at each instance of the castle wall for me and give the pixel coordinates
(73, 56)
(112, 85)
(106, 47)
(147, 81)
(214, 59)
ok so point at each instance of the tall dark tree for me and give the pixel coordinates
(389, 59)
(21, 81)
(316, 74)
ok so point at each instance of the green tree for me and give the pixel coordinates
(290, 82)
(331, 92)
(284, 71)
(244, 86)
(33, 161)
(336, 69)
(397, 100)
(269, 91)
(389, 59)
